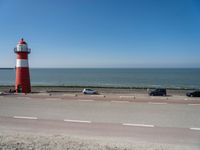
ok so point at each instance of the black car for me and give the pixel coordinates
(193, 94)
(158, 92)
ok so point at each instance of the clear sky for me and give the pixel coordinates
(102, 33)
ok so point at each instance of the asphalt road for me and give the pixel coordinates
(150, 122)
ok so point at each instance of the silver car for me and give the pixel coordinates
(89, 91)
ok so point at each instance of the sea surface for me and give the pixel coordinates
(142, 78)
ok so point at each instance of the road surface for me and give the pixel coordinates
(177, 124)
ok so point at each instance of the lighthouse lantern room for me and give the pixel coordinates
(22, 84)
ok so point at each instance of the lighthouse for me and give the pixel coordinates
(22, 84)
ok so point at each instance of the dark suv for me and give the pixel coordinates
(193, 94)
(158, 92)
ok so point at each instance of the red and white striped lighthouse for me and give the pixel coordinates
(22, 84)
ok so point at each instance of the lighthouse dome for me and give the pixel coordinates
(22, 41)
(22, 46)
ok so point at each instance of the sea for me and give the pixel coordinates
(131, 78)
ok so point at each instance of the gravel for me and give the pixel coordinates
(30, 141)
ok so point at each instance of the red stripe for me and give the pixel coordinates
(23, 80)
(22, 55)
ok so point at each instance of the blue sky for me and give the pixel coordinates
(102, 33)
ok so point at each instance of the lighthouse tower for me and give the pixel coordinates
(22, 84)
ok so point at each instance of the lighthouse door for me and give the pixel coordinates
(19, 89)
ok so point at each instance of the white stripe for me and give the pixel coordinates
(194, 104)
(194, 128)
(97, 95)
(22, 63)
(138, 125)
(52, 99)
(127, 96)
(77, 121)
(156, 103)
(120, 101)
(69, 95)
(85, 100)
(24, 117)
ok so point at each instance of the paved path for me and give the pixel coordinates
(152, 122)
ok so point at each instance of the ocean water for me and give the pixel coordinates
(169, 78)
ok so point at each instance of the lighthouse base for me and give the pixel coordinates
(22, 84)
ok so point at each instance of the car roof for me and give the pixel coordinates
(160, 89)
(89, 89)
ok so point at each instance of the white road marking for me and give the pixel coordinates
(120, 101)
(25, 117)
(77, 121)
(157, 103)
(85, 100)
(138, 125)
(194, 104)
(97, 95)
(127, 96)
(195, 129)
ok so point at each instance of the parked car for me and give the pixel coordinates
(193, 94)
(158, 92)
(89, 91)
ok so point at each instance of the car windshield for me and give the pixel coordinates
(89, 90)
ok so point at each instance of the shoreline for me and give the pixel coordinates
(101, 87)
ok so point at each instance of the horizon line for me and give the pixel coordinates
(7, 68)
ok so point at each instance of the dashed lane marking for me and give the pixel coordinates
(195, 129)
(194, 104)
(127, 96)
(85, 100)
(138, 125)
(52, 99)
(157, 103)
(25, 117)
(120, 101)
(77, 121)
(97, 95)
